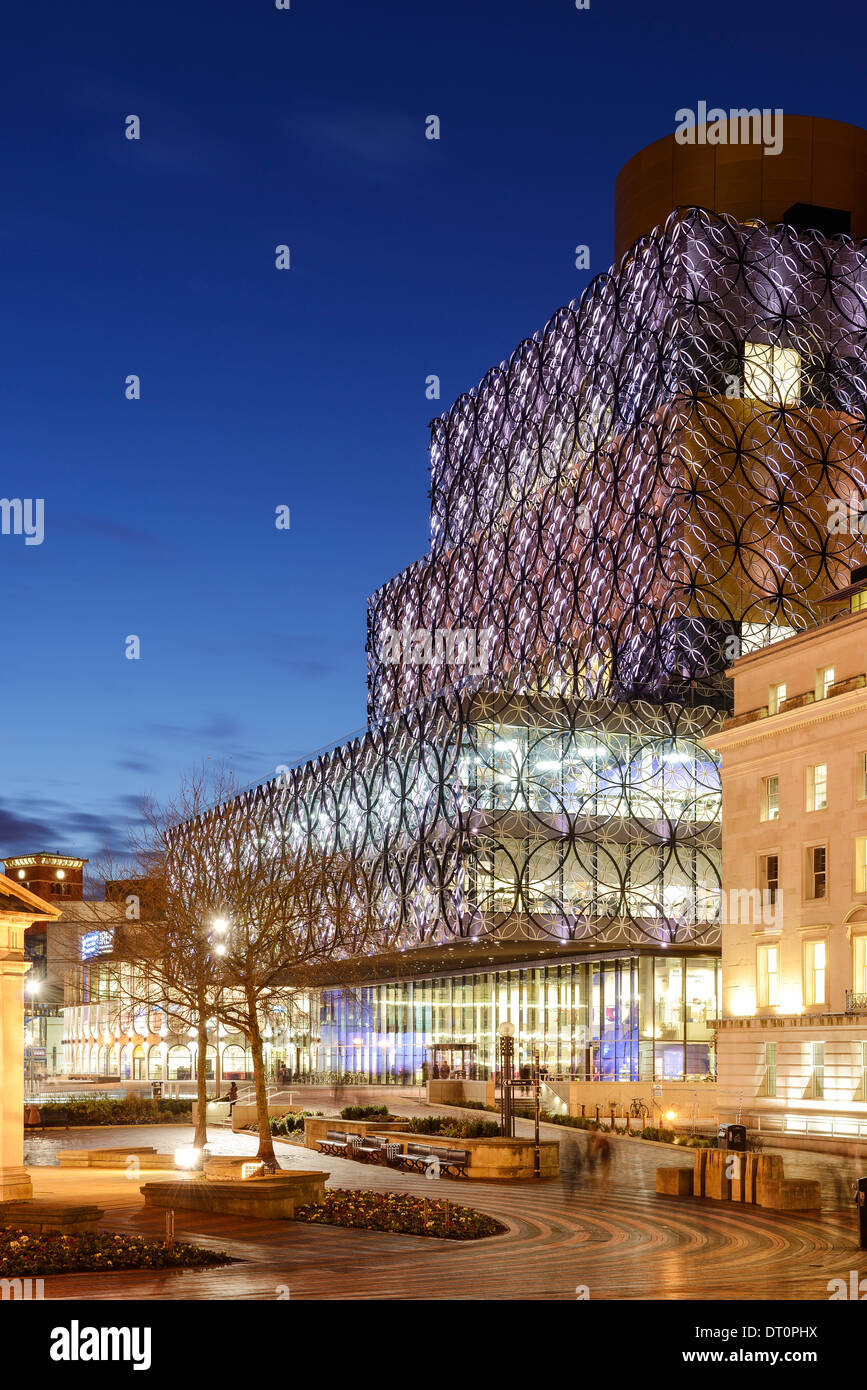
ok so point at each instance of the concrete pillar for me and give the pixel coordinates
(14, 1181)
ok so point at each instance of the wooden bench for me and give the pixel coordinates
(338, 1143)
(419, 1158)
(370, 1148)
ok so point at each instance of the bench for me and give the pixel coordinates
(420, 1157)
(370, 1148)
(338, 1143)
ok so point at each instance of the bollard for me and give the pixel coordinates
(170, 1229)
(597, 1114)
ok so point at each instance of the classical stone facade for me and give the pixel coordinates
(792, 1042)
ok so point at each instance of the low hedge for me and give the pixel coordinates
(659, 1136)
(132, 1110)
(452, 1128)
(23, 1253)
(364, 1112)
(399, 1213)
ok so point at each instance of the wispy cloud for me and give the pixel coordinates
(365, 139)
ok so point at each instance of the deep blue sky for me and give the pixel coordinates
(304, 387)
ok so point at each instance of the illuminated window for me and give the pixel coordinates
(776, 696)
(817, 871)
(767, 976)
(817, 787)
(824, 681)
(769, 877)
(859, 964)
(817, 1070)
(861, 865)
(771, 374)
(858, 602)
(768, 1083)
(771, 798)
(862, 776)
(815, 972)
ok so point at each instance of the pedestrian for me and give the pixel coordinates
(573, 1166)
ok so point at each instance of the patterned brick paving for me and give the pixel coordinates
(607, 1231)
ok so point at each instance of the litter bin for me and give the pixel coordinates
(157, 1090)
(861, 1203)
(732, 1137)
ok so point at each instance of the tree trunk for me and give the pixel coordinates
(266, 1145)
(201, 1136)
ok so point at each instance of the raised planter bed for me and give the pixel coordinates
(317, 1126)
(494, 1159)
(145, 1158)
(37, 1217)
(272, 1198)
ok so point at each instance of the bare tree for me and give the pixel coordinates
(238, 911)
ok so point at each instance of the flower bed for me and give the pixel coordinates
(401, 1214)
(22, 1253)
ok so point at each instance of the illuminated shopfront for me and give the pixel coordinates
(614, 1018)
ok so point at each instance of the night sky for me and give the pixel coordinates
(306, 387)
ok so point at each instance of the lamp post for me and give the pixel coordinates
(506, 1033)
(220, 930)
(537, 1152)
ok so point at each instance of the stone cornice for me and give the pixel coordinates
(819, 712)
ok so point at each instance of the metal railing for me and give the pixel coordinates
(855, 1003)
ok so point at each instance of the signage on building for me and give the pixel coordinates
(95, 943)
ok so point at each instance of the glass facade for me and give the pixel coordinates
(623, 1018)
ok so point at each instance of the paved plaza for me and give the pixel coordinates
(609, 1232)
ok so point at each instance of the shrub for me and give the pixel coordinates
(662, 1136)
(364, 1112)
(399, 1213)
(23, 1253)
(288, 1124)
(131, 1110)
(570, 1121)
(453, 1128)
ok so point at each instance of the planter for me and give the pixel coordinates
(317, 1126)
(272, 1198)
(496, 1159)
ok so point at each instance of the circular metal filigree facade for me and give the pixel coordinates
(644, 490)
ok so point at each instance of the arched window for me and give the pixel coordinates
(235, 1064)
(126, 1062)
(155, 1063)
(138, 1064)
(179, 1063)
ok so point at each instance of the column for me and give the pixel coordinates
(14, 1181)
